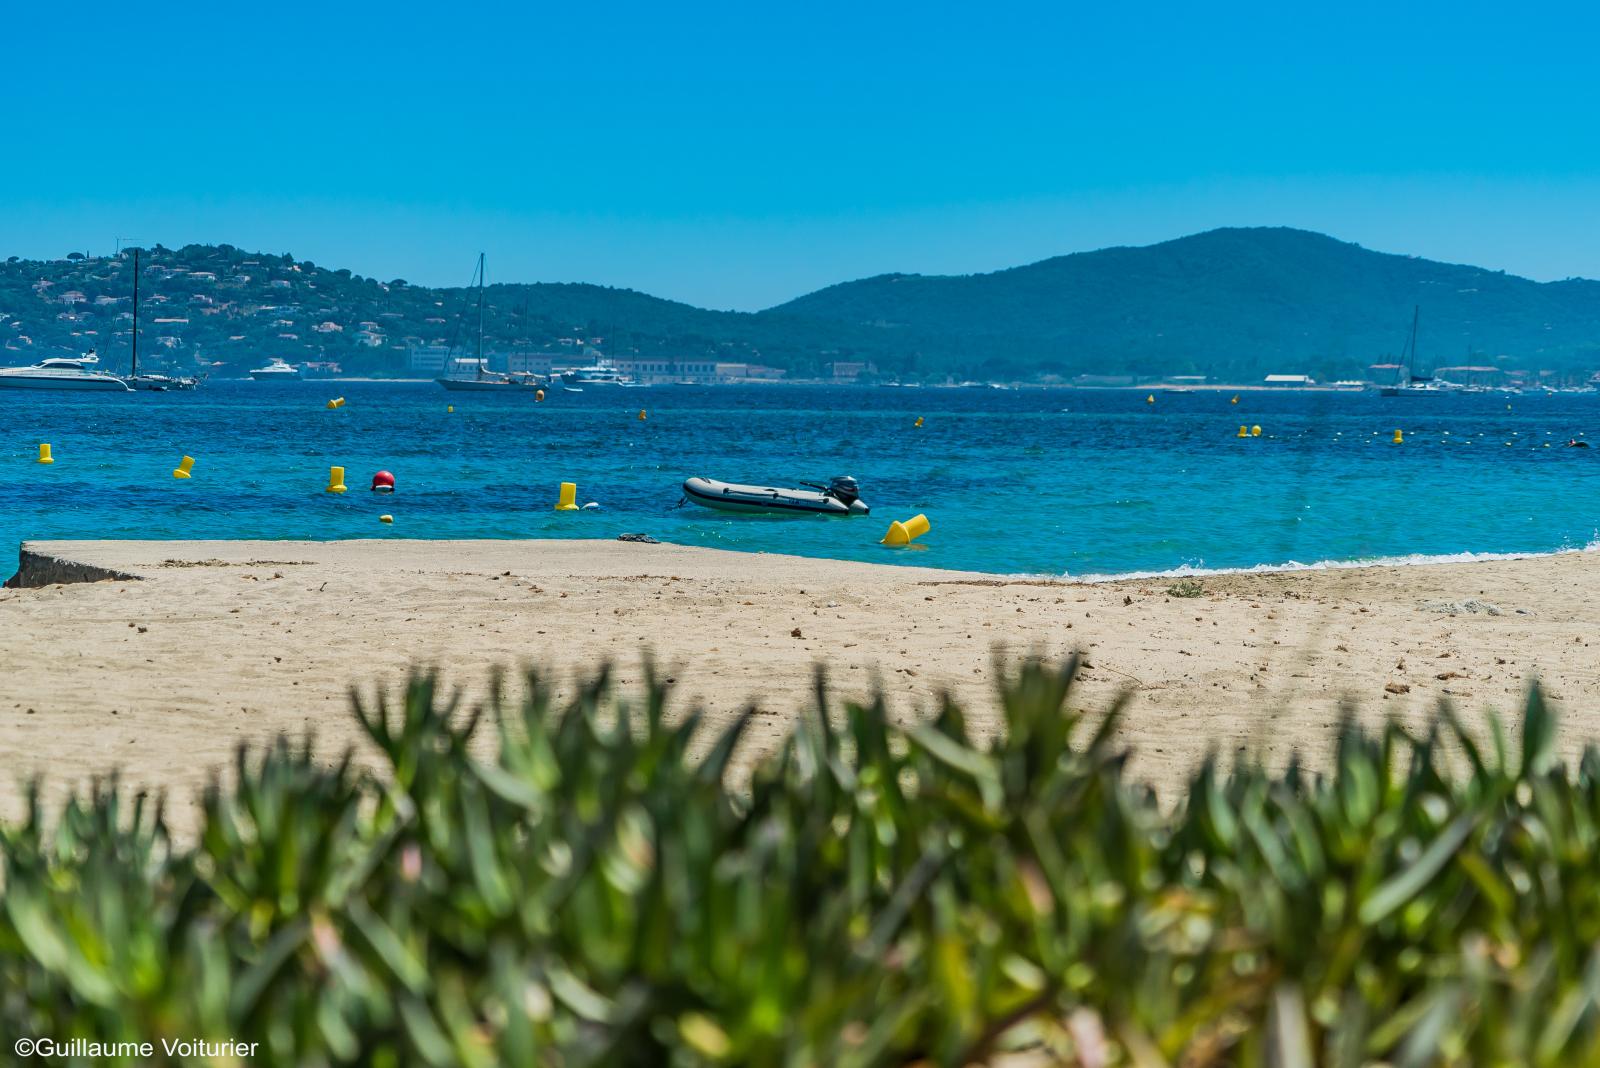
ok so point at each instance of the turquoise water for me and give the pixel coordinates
(1060, 482)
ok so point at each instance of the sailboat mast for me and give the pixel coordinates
(133, 367)
(480, 315)
(1411, 363)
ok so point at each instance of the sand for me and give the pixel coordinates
(217, 643)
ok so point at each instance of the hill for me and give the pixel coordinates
(1232, 303)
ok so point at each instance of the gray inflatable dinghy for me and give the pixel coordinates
(840, 497)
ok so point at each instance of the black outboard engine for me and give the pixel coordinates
(847, 491)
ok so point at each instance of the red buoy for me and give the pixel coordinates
(383, 482)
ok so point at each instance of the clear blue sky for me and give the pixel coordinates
(735, 155)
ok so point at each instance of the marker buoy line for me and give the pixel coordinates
(383, 482)
(1244, 431)
(336, 480)
(44, 454)
(1399, 438)
(569, 497)
(185, 465)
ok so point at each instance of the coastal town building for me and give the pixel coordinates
(661, 370)
(843, 371)
(427, 359)
(748, 372)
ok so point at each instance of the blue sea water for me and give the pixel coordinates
(1060, 482)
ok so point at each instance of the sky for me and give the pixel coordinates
(739, 155)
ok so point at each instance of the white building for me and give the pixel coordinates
(428, 359)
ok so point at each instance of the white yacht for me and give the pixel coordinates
(600, 373)
(276, 370)
(61, 372)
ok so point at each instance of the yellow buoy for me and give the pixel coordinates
(1255, 432)
(1235, 399)
(336, 480)
(1244, 431)
(185, 465)
(538, 394)
(1151, 399)
(44, 454)
(907, 532)
(450, 408)
(1399, 438)
(569, 497)
(918, 422)
(386, 519)
(642, 415)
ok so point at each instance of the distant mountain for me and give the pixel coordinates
(1235, 303)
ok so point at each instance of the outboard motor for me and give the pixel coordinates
(847, 491)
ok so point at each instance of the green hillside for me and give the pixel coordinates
(1234, 303)
(1229, 303)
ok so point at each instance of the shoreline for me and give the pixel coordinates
(204, 645)
(1182, 571)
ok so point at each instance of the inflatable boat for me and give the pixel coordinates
(841, 497)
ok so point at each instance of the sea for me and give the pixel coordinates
(1063, 482)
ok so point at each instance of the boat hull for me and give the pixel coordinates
(468, 385)
(758, 500)
(99, 382)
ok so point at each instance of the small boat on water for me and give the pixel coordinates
(484, 380)
(60, 372)
(840, 497)
(1412, 384)
(276, 370)
(156, 383)
(599, 373)
(150, 383)
(493, 382)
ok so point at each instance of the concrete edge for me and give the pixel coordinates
(35, 569)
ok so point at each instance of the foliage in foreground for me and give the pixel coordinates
(874, 895)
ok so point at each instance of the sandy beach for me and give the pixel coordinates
(163, 673)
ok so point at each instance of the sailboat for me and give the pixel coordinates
(484, 381)
(151, 382)
(1411, 383)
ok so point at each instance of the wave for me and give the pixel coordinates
(1410, 560)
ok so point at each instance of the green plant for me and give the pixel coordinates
(595, 892)
(1189, 587)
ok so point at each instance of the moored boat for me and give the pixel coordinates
(59, 372)
(1412, 384)
(484, 380)
(840, 497)
(276, 370)
(599, 373)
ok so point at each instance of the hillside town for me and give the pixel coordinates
(219, 311)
